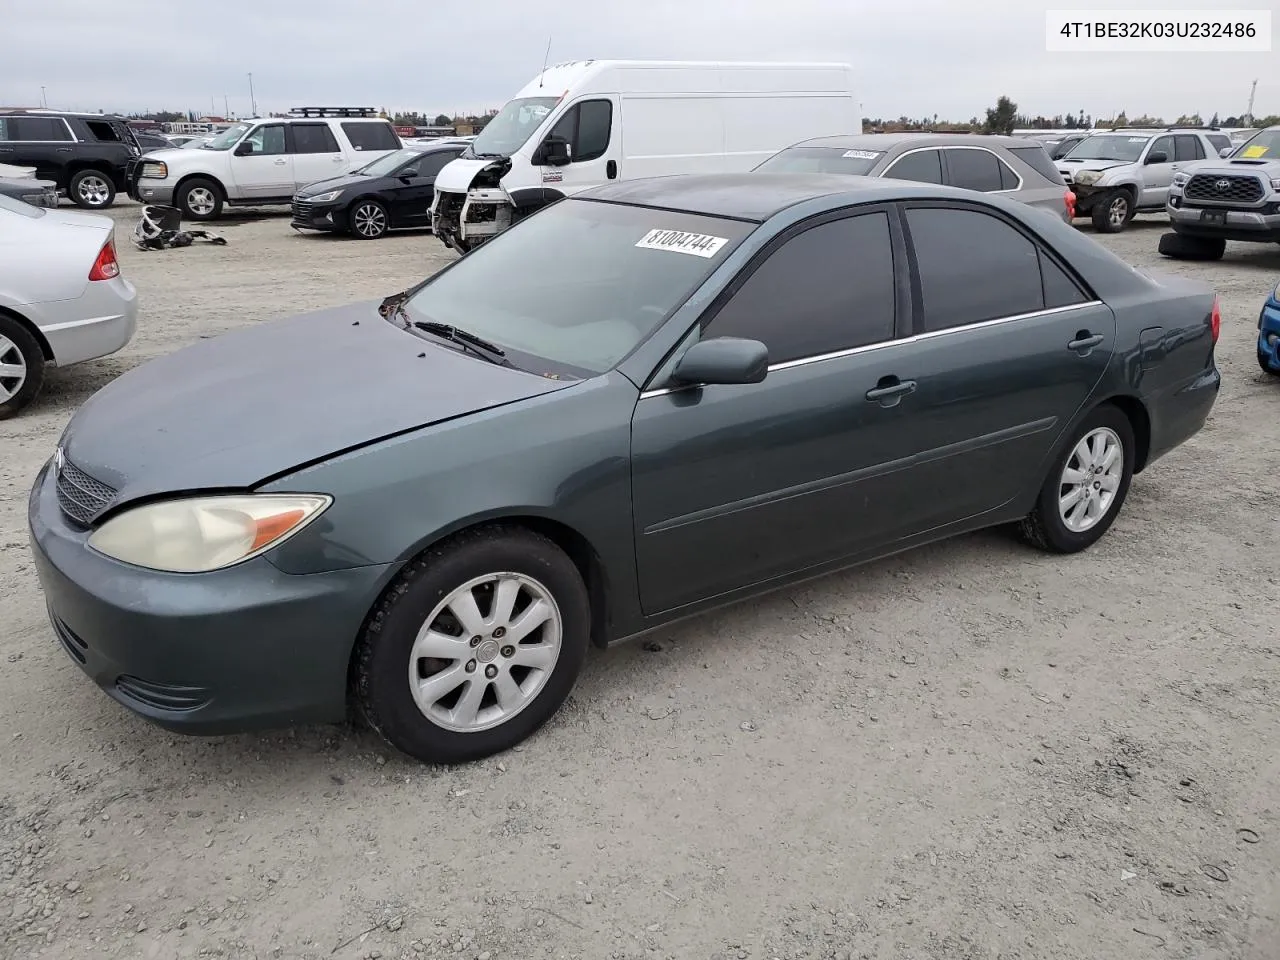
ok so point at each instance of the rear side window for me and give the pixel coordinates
(1059, 289)
(1038, 160)
(371, 136)
(314, 138)
(974, 170)
(1219, 141)
(35, 129)
(827, 289)
(103, 131)
(923, 166)
(973, 267)
(1187, 147)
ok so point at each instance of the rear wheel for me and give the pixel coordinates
(21, 367)
(1264, 362)
(1085, 489)
(91, 189)
(1112, 211)
(368, 220)
(199, 199)
(1178, 246)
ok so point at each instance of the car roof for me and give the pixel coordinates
(756, 197)
(887, 141)
(42, 112)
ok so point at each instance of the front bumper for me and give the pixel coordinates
(151, 191)
(1259, 225)
(1269, 335)
(318, 216)
(103, 320)
(245, 648)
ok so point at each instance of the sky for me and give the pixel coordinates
(911, 57)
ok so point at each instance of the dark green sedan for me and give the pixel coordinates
(651, 399)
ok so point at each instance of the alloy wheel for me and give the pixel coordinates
(1089, 482)
(13, 369)
(93, 190)
(201, 201)
(1118, 212)
(369, 220)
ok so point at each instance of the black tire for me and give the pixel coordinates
(1178, 246)
(367, 220)
(19, 347)
(381, 664)
(1112, 211)
(1044, 527)
(91, 189)
(206, 196)
(1265, 363)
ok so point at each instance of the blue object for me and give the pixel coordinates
(1269, 334)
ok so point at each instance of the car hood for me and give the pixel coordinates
(1075, 166)
(233, 411)
(169, 154)
(336, 183)
(457, 175)
(1234, 167)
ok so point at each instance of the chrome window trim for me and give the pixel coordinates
(957, 146)
(928, 335)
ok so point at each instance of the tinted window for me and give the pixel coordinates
(267, 140)
(586, 128)
(371, 136)
(314, 138)
(1008, 179)
(37, 129)
(853, 162)
(973, 267)
(973, 170)
(431, 163)
(1218, 140)
(827, 289)
(103, 131)
(924, 166)
(1059, 289)
(1187, 147)
(1038, 160)
(1162, 145)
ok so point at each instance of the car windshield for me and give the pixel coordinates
(228, 138)
(386, 165)
(821, 160)
(1113, 147)
(579, 286)
(1265, 144)
(514, 124)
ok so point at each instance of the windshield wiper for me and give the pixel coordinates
(469, 341)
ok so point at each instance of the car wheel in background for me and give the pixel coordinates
(1112, 211)
(368, 219)
(199, 199)
(21, 367)
(1180, 247)
(474, 647)
(1265, 363)
(91, 189)
(1086, 487)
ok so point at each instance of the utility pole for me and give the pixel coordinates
(1248, 113)
(253, 104)
(226, 108)
(45, 103)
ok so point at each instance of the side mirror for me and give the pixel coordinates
(1226, 152)
(556, 152)
(243, 148)
(723, 360)
(1158, 156)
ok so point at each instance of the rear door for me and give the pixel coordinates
(316, 154)
(45, 143)
(266, 172)
(1008, 346)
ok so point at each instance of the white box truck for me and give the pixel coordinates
(585, 122)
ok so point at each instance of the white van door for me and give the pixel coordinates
(590, 128)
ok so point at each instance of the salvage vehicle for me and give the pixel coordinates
(1234, 198)
(38, 193)
(257, 163)
(647, 401)
(85, 154)
(392, 192)
(587, 122)
(1120, 173)
(62, 298)
(1269, 334)
(1017, 167)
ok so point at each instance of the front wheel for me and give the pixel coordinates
(1086, 487)
(368, 220)
(92, 190)
(474, 647)
(1112, 211)
(199, 199)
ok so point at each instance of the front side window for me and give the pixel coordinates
(1161, 145)
(852, 162)
(828, 289)
(579, 286)
(267, 140)
(512, 126)
(922, 166)
(431, 164)
(314, 138)
(585, 127)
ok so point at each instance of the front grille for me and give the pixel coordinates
(80, 496)
(302, 209)
(1224, 188)
(162, 696)
(70, 641)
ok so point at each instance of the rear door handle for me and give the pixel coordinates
(1085, 342)
(890, 391)
(62, 150)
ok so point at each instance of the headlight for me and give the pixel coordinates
(324, 197)
(205, 533)
(156, 169)
(1088, 177)
(1275, 184)
(1180, 179)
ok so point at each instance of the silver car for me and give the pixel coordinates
(62, 298)
(1016, 166)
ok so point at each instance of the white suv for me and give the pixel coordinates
(261, 161)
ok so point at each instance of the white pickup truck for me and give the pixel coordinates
(261, 161)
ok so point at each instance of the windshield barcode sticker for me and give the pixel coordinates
(698, 244)
(861, 154)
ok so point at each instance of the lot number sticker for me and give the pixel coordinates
(861, 154)
(697, 244)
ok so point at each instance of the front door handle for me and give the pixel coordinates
(1084, 342)
(890, 391)
(62, 150)
(611, 169)
(280, 163)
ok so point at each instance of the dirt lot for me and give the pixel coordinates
(972, 751)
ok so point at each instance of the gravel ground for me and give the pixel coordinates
(970, 751)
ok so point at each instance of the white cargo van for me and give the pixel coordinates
(582, 123)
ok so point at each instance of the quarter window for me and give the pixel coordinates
(314, 138)
(1038, 160)
(923, 166)
(827, 289)
(1187, 147)
(585, 127)
(975, 170)
(376, 135)
(1059, 289)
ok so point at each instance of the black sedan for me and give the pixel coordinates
(392, 192)
(650, 400)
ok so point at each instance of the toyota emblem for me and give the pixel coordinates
(1222, 186)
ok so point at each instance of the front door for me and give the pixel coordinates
(413, 195)
(315, 152)
(1157, 177)
(266, 172)
(589, 128)
(735, 485)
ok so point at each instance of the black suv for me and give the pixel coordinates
(85, 154)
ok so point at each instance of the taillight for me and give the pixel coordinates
(1215, 320)
(106, 267)
(1069, 198)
